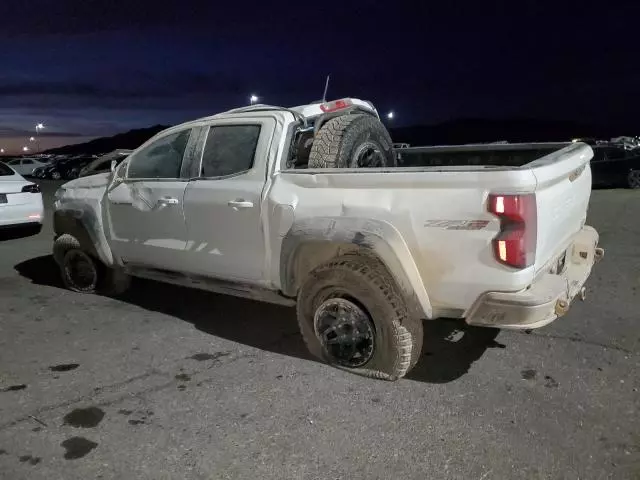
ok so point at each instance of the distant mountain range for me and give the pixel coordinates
(449, 133)
(129, 140)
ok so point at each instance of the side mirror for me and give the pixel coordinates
(114, 164)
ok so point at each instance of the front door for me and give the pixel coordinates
(223, 206)
(145, 206)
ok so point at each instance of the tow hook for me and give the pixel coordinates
(583, 294)
(599, 253)
(561, 307)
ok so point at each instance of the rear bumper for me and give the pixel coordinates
(23, 214)
(548, 298)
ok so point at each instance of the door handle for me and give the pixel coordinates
(164, 201)
(240, 204)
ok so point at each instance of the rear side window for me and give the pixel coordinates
(160, 159)
(4, 170)
(229, 149)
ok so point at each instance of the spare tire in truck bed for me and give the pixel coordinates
(352, 141)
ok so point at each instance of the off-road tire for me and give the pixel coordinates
(339, 141)
(110, 281)
(364, 279)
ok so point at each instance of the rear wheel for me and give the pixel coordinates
(55, 175)
(352, 141)
(633, 179)
(352, 316)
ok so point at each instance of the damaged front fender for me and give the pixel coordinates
(78, 211)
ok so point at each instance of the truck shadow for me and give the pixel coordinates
(17, 233)
(450, 347)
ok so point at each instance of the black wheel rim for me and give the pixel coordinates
(80, 270)
(634, 178)
(345, 331)
(369, 155)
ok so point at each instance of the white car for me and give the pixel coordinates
(20, 201)
(25, 166)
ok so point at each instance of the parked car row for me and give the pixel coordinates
(64, 167)
(104, 163)
(25, 166)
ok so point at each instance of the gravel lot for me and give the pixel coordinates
(173, 383)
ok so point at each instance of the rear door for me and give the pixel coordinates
(223, 206)
(145, 208)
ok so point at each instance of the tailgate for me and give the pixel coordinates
(562, 196)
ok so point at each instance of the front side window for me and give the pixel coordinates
(160, 159)
(229, 149)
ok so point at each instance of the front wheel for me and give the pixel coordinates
(56, 175)
(633, 179)
(352, 315)
(83, 273)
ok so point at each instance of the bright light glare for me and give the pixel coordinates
(25, 149)
(500, 205)
(32, 139)
(253, 98)
(390, 115)
(502, 250)
(39, 126)
(1, 150)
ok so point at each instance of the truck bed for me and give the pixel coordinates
(456, 264)
(493, 155)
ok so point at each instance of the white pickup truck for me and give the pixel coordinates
(308, 206)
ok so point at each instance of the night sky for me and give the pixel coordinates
(89, 68)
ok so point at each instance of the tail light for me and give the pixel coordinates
(336, 105)
(31, 188)
(515, 245)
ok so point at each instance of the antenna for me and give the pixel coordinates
(326, 87)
